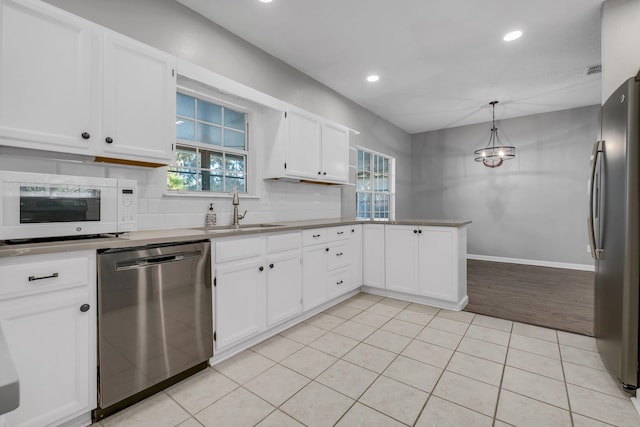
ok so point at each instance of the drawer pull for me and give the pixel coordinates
(32, 278)
(84, 308)
(340, 254)
(340, 282)
(270, 265)
(261, 268)
(316, 235)
(340, 232)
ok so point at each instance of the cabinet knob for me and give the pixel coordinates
(109, 140)
(261, 268)
(353, 230)
(85, 135)
(84, 308)
(270, 265)
(415, 231)
(419, 231)
(319, 173)
(340, 282)
(324, 173)
(326, 250)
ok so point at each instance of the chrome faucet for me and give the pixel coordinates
(236, 202)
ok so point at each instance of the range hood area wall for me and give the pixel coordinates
(533, 207)
(174, 28)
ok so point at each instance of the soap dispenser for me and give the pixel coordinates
(210, 218)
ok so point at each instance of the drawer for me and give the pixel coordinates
(283, 242)
(338, 282)
(238, 248)
(338, 255)
(34, 274)
(314, 236)
(339, 233)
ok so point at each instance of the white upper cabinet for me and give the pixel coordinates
(48, 70)
(335, 152)
(139, 101)
(309, 148)
(71, 86)
(303, 148)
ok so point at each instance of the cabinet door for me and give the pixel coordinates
(302, 154)
(439, 263)
(314, 276)
(402, 257)
(373, 255)
(284, 287)
(355, 244)
(52, 345)
(48, 97)
(240, 301)
(335, 153)
(139, 102)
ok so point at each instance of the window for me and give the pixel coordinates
(211, 147)
(375, 186)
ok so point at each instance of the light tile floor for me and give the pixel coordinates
(373, 361)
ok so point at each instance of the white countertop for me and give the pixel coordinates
(148, 237)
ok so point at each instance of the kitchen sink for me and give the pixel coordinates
(238, 228)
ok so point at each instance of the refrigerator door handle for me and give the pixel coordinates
(595, 252)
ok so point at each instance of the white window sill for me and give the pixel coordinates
(208, 195)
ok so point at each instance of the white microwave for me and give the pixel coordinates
(34, 205)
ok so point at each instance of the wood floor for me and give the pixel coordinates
(550, 297)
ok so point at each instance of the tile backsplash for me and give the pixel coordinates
(272, 201)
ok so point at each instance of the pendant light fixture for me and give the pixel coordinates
(494, 154)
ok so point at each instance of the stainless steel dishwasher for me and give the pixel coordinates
(154, 320)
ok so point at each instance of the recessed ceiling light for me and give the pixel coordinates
(266, 1)
(513, 35)
(373, 78)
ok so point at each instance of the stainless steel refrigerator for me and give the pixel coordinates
(614, 235)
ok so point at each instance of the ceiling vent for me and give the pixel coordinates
(593, 69)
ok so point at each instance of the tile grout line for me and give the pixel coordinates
(564, 378)
(444, 369)
(504, 368)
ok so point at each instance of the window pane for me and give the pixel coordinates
(215, 183)
(186, 158)
(230, 182)
(234, 163)
(209, 134)
(209, 112)
(364, 181)
(234, 139)
(366, 159)
(185, 129)
(215, 162)
(185, 105)
(233, 119)
(363, 205)
(183, 180)
(381, 206)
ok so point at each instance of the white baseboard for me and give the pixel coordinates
(569, 266)
(636, 404)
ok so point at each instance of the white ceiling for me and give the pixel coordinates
(440, 61)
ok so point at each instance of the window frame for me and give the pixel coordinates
(391, 192)
(209, 94)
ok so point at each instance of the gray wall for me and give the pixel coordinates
(534, 206)
(172, 27)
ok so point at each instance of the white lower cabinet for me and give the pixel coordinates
(355, 249)
(373, 255)
(284, 286)
(402, 264)
(426, 261)
(257, 285)
(240, 293)
(328, 263)
(49, 322)
(314, 276)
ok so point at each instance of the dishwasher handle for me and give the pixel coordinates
(157, 260)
